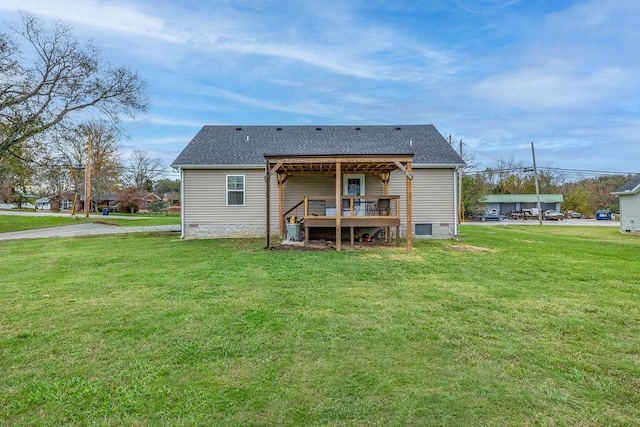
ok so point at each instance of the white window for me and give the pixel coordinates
(235, 190)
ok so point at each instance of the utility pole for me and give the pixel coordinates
(460, 202)
(535, 174)
(87, 179)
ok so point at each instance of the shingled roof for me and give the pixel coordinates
(248, 145)
(629, 187)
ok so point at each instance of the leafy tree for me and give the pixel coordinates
(474, 189)
(129, 197)
(577, 199)
(164, 186)
(600, 189)
(54, 79)
(16, 176)
(157, 206)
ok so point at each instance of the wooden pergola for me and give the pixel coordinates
(379, 166)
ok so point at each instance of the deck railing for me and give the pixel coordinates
(352, 206)
(355, 211)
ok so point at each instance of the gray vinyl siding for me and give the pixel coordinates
(205, 193)
(630, 213)
(433, 199)
(432, 194)
(297, 187)
(207, 215)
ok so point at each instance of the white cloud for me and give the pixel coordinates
(111, 17)
(307, 108)
(549, 87)
(339, 42)
(168, 121)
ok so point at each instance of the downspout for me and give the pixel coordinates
(181, 204)
(267, 179)
(456, 205)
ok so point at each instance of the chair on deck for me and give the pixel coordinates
(346, 207)
(384, 207)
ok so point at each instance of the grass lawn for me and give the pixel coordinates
(17, 223)
(508, 326)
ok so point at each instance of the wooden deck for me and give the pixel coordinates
(379, 166)
(357, 212)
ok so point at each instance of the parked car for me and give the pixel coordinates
(553, 215)
(573, 214)
(491, 216)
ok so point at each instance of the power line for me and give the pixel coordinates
(482, 154)
(548, 168)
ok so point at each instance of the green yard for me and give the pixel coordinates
(18, 223)
(508, 326)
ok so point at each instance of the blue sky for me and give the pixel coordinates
(497, 74)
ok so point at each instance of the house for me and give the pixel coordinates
(44, 203)
(507, 203)
(248, 181)
(134, 200)
(144, 204)
(55, 203)
(629, 195)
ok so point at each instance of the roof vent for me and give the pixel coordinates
(278, 128)
(398, 128)
(318, 128)
(358, 128)
(238, 128)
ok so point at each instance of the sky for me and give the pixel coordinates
(496, 74)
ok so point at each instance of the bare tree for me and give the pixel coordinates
(142, 170)
(70, 157)
(57, 78)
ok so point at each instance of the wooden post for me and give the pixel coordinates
(305, 213)
(385, 180)
(73, 206)
(409, 208)
(87, 184)
(338, 206)
(460, 182)
(535, 174)
(267, 180)
(281, 222)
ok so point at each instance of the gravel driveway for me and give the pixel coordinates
(77, 230)
(578, 222)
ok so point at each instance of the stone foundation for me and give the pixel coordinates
(217, 231)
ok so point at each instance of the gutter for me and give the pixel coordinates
(181, 204)
(255, 166)
(199, 167)
(456, 202)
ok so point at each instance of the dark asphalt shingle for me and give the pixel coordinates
(629, 185)
(247, 145)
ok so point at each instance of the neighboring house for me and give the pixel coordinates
(55, 203)
(247, 181)
(172, 198)
(507, 203)
(107, 200)
(144, 204)
(44, 203)
(629, 195)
